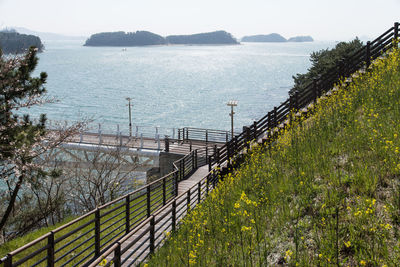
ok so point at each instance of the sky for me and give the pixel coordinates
(322, 19)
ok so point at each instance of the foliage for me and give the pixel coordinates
(217, 37)
(138, 38)
(273, 37)
(323, 61)
(26, 203)
(13, 42)
(326, 193)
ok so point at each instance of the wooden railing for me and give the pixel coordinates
(117, 222)
(151, 233)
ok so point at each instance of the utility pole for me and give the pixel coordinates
(130, 116)
(232, 103)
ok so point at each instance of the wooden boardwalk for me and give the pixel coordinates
(141, 238)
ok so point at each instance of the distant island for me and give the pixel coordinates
(301, 39)
(139, 38)
(12, 42)
(143, 38)
(273, 37)
(276, 38)
(218, 37)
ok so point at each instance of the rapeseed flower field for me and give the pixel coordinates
(327, 192)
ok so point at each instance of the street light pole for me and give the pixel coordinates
(130, 116)
(232, 103)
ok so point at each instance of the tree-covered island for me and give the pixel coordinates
(143, 38)
(275, 38)
(217, 37)
(139, 38)
(12, 42)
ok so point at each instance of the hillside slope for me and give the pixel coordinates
(327, 193)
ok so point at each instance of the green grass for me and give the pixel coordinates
(327, 193)
(112, 225)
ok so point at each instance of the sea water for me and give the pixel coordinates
(170, 86)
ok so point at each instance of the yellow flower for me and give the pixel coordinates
(245, 228)
(363, 262)
(347, 244)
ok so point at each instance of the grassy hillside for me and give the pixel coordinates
(327, 193)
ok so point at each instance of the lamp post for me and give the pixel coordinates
(232, 103)
(130, 116)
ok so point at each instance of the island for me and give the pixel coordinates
(209, 38)
(273, 37)
(12, 42)
(143, 38)
(139, 38)
(301, 39)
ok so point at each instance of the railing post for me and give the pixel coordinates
(188, 200)
(195, 159)
(209, 163)
(152, 235)
(206, 136)
(183, 168)
(190, 145)
(315, 89)
(192, 156)
(141, 140)
(368, 54)
(117, 255)
(199, 192)
(97, 232)
(173, 215)
(80, 137)
(148, 201)
(8, 262)
(207, 158)
(255, 130)
(246, 130)
(275, 117)
(396, 31)
(50, 250)
(207, 184)
(179, 134)
(217, 155)
(176, 182)
(269, 124)
(166, 140)
(164, 192)
(127, 214)
(296, 101)
(226, 136)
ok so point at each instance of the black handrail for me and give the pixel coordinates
(103, 226)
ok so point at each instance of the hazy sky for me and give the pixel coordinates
(322, 19)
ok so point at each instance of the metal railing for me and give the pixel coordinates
(85, 238)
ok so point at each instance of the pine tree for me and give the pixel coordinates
(21, 139)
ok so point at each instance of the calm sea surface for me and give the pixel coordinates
(171, 86)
